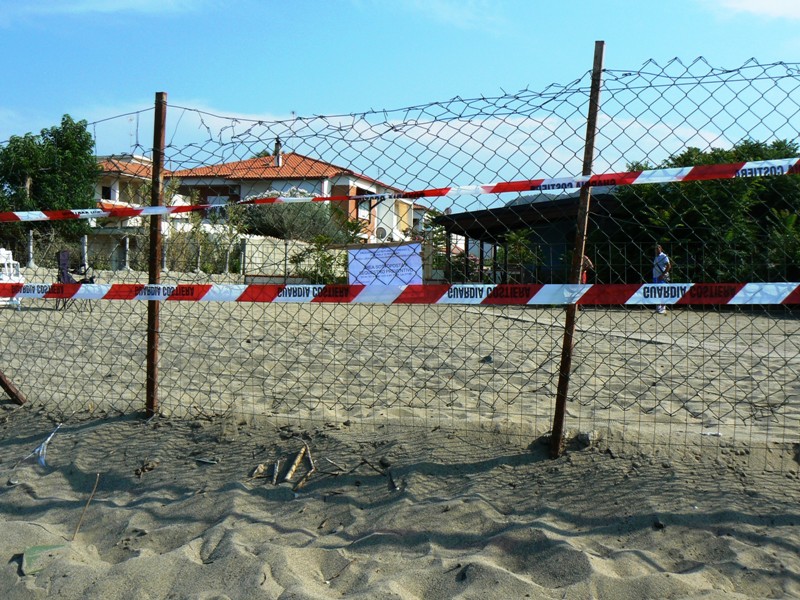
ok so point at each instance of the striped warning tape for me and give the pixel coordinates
(503, 294)
(763, 168)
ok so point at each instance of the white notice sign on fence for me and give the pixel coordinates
(387, 265)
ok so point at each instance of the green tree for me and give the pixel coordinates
(520, 254)
(304, 221)
(721, 230)
(319, 262)
(53, 170)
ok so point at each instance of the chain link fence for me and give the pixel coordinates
(706, 376)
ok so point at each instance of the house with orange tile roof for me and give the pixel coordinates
(383, 220)
(125, 182)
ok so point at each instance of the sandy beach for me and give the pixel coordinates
(183, 510)
(424, 470)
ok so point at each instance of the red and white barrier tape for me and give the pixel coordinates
(505, 294)
(761, 168)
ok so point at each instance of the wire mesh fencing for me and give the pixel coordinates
(389, 266)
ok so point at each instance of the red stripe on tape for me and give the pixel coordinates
(260, 292)
(338, 293)
(270, 200)
(614, 178)
(512, 294)
(708, 294)
(62, 290)
(422, 294)
(124, 291)
(182, 208)
(793, 298)
(513, 186)
(711, 293)
(131, 212)
(427, 193)
(704, 172)
(694, 173)
(609, 293)
(189, 292)
(331, 198)
(61, 215)
(9, 290)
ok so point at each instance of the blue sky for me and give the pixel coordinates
(95, 59)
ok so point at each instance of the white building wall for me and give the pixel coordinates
(386, 218)
(261, 188)
(107, 182)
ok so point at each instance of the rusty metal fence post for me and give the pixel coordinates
(154, 267)
(556, 440)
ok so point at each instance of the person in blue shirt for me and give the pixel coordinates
(661, 269)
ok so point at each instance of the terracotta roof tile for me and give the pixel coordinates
(122, 166)
(112, 204)
(293, 166)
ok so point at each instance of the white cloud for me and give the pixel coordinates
(196, 132)
(771, 9)
(409, 153)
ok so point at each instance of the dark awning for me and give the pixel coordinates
(493, 224)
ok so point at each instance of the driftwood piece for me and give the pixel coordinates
(336, 465)
(276, 469)
(297, 460)
(308, 455)
(258, 471)
(83, 514)
(311, 470)
(364, 461)
(11, 390)
(304, 479)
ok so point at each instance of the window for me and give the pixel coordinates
(217, 210)
(105, 193)
(364, 209)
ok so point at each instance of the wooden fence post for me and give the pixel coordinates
(557, 436)
(154, 267)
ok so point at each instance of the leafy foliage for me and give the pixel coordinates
(53, 170)
(741, 229)
(199, 250)
(305, 221)
(520, 254)
(319, 263)
(321, 225)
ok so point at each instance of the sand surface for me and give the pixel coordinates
(427, 429)
(182, 510)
